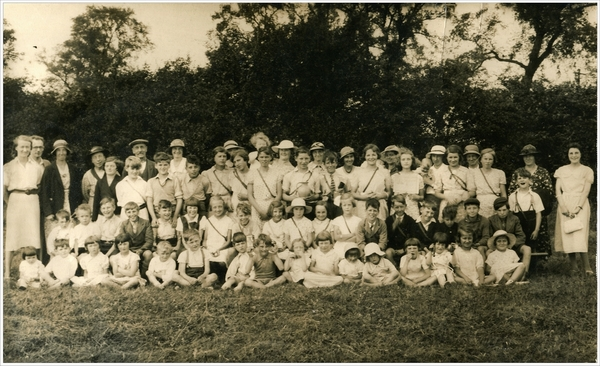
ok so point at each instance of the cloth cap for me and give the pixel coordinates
(393, 148)
(471, 149)
(346, 150)
(138, 141)
(177, 143)
(230, 144)
(317, 146)
(511, 238)
(472, 201)
(285, 144)
(299, 202)
(499, 202)
(60, 143)
(528, 150)
(96, 149)
(373, 248)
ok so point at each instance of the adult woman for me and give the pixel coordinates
(22, 178)
(239, 178)
(490, 183)
(257, 140)
(106, 186)
(456, 184)
(178, 163)
(542, 185)
(60, 185)
(264, 185)
(472, 156)
(573, 183)
(348, 170)
(408, 182)
(373, 182)
(92, 176)
(284, 151)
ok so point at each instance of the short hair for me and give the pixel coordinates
(61, 243)
(164, 245)
(429, 204)
(106, 200)
(28, 252)
(462, 231)
(372, 202)
(353, 251)
(165, 204)
(190, 233)
(16, 143)
(372, 147)
(193, 202)
(273, 205)
(113, 159)
(265, 239)
(299, 240)
(348, 197)
(455, 149)
(244, 207)
(489, 151)
(330, 156)
(243, 153)
(574, 145)
(441, 237)
(133, 162)
(405, 151)
(323, 236)
(84, 207)
(130, 205)
(214, 199)
(265, 149)
(122, 238)
(91, 240)
(192, 159)
(449, 212)
(522, 172)
(302, 150)
(36, 137)
(399, 198)
(63, 214)
(161, 157)
(259, 136)
(238, 237)
(219, 149)
(321, 203)
(411, 242)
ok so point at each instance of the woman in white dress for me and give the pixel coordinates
(408, 182)
(283, 163)
(455, 185)
(178, 163)
(239, 178)
(264, 185)
(373, 182)
(490, 183)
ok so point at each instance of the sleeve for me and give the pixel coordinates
(519, 233)
(178, 189)
(149, 240)
(479, 262)
(179, 226)
(286, 182)
(45, 188)
(72, 266)
(7, 174)
(83, 261)
(233, 268)
(383, 234)
(360, 265)
(152, 264)
(250, 177)
(515, 257)
(207, 186)
(171, 266)
(589, 175)
(85, 187)
(183, 257)
(485, 232)
(105, 262)
(470, 181)
(491, 259)
(360, 233)
(502, 177)
(559, 172)
(420, 182)
(512, 202)
(149, 190)
(538, 205)
(402, 261)
(203, 223)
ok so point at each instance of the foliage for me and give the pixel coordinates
(8, 45)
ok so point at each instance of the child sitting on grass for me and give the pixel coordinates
(274, 228)
(161, 271)
(216, 233)
(164, 230)
(265, 265)
(351, 268)
(503, 263)
(235, 272)
(94, 265)
(31, 270)
(439, 260)
(467, 262)
(125, 265)
(245, 225)
(399, 227)
(61, 231)
(478, 225)
(83, 230)
(378, 271)
(62, 266)
(297, 264)
(323, 270)
(140, 235)
(194, 266)
(414, 269)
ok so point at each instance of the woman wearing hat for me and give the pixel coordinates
(60, 187)
(348, 170)
(436, 155)
(490, 183)
(456, 185)
(92, 176)
(472, 156)
(22, 178)
(283, 163)
(178, 163)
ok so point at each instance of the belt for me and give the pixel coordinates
(26, 191)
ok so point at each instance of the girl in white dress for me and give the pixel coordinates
(409, 183)
(373, 182)
(345, 226)
(439, 261)
(275, 228)
(503, 263)
(264, 186)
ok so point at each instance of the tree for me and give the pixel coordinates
(548, 31)
(103, 41)
(8, 41)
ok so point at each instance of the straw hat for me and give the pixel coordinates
(472, 149)
(298, 202)
(230, 144)
(317, 146)
(176, 143)
(528, 150)
(511, 238)
(285, 144)
(346, 150)
(138, 141)
(436, 150)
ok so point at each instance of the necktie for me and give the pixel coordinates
(332, 185)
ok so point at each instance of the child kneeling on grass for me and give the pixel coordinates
(161, 271)
(62, 266)
(503, 263)
(194, 265)
(31, 270)
(351, 269)
(94, 265)
(378, 271)
(297, 262)
(414, 269)
(323, 270)
(235, 272)
(467, 262)
(265, 263)
(125, 265)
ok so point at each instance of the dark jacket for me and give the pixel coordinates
(149, 172)
(143, 238)
(103, 189)
(52, 191)
(398, 236)
(425, 236)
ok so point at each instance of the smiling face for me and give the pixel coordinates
(193, 243)
(61, 154)
(23, 148)
(466, 241)
(437, 159)
(349, 160)
(574, 155)
(399, 207)
(324, 245)
(240, 164)
(453, 159)
(277, 214)
(243, 218)
(177, 152)
(472, 210)
(426, 214)
(98, 160)
(529, 160)
(193, 170)
(501, 243)
(132, 213)
(440, 247)
(37, 148)
(192, 211)
(133, 173)
(318, 155)
(371, 157)
(264, 159)
(372, 213)
(107, 210)
(523, 182)
(303, 159)
(473, 160)
(331, 165)
(217, 208)
(165, 213)
(390, 157)
(162, 167)
(320, 212)
(284, 154)
(139, 150)
(487, 160)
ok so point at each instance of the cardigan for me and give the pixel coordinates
(149, 172)
(103, 189)
(52, 191)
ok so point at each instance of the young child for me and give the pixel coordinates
(275, 229)
(194, 266)
(321, 222)
(414, 270)
(196, 186)
(83, 230)
(428, 178)
(265, 265)
(140, 234)
(108, 223)
(378, 271)
(338, 185)
(297, 264)
(371, 229)
(62, 266)
(323, 270)
(448, 225)
(216, 233)
(408, 182)
(191, 220)
(220, 176)
(163, 187)
(62, 231)
(164, 230)
(31, 270)
(298, 226)
(425, 226)
(439, 260)
(161, 271)
(351, 268)
(476, 224)
(467, 262)
(235, 272)
(132, 188)
(245, 224)
(345, 226)
(125, 265)
(503, 263)
(400, 228)
(94, 265)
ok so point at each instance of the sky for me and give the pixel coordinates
(177, 30)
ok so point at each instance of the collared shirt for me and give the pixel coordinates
(170, 190)
(109, 228)
(197, 187)
(19, 176)
(220, 181)
(294, 179)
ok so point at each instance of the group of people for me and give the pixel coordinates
(285, 213)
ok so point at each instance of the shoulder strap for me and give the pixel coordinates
(133, 187)
(265, 182)
(218, 232)
(459, 180)
(224, 186)
(369, 182)
(488, 183)
(294, 221)
(236, 174)
(347, 227)
(396, 225)
(298, 185)
(424, 231)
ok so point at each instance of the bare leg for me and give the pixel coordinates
(277, 281)
(526, 251)
(389, 254)
(210, 280)
(180, 280)
(430, 281)
(441, 279)
(131, 283)
(254, 284)
(230, 282)
(489, 279)
(483, 249)
(408, 282)
(518, 273)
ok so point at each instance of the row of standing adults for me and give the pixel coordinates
(36, 189)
